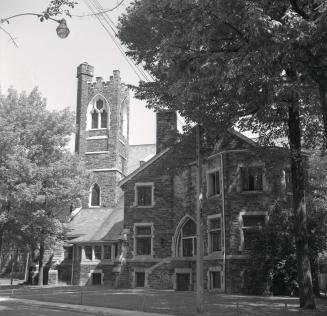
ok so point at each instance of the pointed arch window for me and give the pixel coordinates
(104, 119)
(95, 195)
(186, 242)
(98, 114)
(95, 119)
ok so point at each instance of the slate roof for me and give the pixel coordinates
(97, 224)
(88, 225)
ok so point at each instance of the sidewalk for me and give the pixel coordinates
(83, 308)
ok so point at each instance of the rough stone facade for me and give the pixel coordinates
(172, 174)
(105, 150)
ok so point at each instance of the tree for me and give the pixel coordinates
(231, 62)
(273, 259)
(39, 176)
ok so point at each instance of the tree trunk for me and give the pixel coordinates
(1, 241)
(315, 276)
(323, 104)
(299, 207)
(40, 279)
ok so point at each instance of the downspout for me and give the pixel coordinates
(72, 276)
(223, 219)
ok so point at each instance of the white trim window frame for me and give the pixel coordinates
(214, 231)
(213, 182)
(252, 228)
(141, 236)
(144, 203)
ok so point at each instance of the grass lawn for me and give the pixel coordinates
(170, 302)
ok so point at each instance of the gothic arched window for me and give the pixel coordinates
(104, 119)
(186, 241)
(95, 195)
(95, 119)
(98, 114)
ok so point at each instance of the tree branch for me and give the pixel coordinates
(11, 37)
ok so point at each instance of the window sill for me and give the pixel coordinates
(143, 206)
(213, 195)
(97, 129)
(97, 261)
(252, 192)
(94, 206)
(143, 257)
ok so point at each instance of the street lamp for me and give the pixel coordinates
(62, 29)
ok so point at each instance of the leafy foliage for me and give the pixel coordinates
(273, 267)
(256, 64)
(39, 177)
(219, 61)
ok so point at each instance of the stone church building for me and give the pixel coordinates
(92, 251)
(137, 226)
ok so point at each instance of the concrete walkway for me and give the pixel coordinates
(82, 308)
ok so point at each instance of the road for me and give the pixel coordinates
(11, 308)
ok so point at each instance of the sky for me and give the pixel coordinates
(42, 59)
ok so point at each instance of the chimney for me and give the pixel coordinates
(166, 129)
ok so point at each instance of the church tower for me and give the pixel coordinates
(102, 125)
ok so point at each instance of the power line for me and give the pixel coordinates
(103, 11)
(107, 20)
(112, 25)
(113, 39)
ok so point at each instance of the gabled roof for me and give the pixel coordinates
(142, 167)
(97, 224)
(138, 153)
(231, 131)
(243, 137)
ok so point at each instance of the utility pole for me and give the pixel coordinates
(199, 239)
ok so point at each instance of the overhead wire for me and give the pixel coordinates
(114, 40)
(109, 27)
(107, 19)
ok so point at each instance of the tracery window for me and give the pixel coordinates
(98, 115)
(187, 239)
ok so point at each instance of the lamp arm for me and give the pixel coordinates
(39, 15)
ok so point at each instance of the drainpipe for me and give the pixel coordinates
(223, 219)
(72, 276)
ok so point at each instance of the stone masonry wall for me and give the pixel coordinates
(104, 148)
(174, 196)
